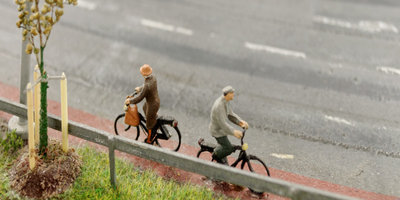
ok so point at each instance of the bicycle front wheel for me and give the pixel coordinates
(125, 130)
(257, 166)
(173, 142)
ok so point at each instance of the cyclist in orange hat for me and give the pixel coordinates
(149, 92)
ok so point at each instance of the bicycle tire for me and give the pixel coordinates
(122, 129)
(174, 142)
(200, 152)
(261, 168)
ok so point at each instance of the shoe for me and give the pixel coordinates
(149, 139)
(218, 160)
(224, 161)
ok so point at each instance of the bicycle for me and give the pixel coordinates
(243, 157)
(166, 129)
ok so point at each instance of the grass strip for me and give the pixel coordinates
(94, 182)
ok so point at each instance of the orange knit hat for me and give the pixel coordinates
(145, 70)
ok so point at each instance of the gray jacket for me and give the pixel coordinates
(221, 111)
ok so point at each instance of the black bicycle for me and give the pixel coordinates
(166, 129)
(258, 165)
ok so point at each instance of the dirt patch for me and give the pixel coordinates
(51, 176)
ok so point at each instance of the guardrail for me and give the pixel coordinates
(178, 160)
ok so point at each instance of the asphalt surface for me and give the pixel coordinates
(316, 80)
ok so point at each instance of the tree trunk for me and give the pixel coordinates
(43, 107)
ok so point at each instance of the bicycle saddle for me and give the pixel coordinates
(167, 120)
(206, 146)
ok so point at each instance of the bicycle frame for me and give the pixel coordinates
(162, 129)
(243, 156)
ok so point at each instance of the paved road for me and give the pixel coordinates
(316, 80)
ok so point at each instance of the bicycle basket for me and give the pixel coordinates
(132, 116)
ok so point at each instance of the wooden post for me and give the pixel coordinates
(64, 112)
(31, 138)
(36, 77)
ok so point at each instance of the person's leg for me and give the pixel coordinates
(224, 149)
(145, 108)
(151, 122)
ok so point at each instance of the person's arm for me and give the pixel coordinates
(141, 96)
(233, 117)
(220, 117)
(140, 88)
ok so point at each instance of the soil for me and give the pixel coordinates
(51, 176)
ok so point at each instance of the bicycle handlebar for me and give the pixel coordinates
(241, 139)
(132, 95)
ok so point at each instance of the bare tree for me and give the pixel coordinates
(37, 26)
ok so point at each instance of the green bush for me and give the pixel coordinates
(11, 143)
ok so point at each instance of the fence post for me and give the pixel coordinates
(111, 155)
(64, 112)
(36, 77)
(31, 138)
(17, 123)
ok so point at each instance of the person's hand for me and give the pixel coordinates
(238, 134)
(127, 101)
(137, 89)
(244, 124)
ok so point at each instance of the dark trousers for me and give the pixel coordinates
(224, 147)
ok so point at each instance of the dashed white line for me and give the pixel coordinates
(364, 25)
(165, 27)
(157, 25)
(184, 31)
(87, 5)
(338, 120)
(275, 50)
(335, 65)
(388, 70)
(282, 156)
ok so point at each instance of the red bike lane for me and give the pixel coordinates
(12, 93)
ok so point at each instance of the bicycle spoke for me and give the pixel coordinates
(122, 129)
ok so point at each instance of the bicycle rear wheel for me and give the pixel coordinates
(173, 142)
(125, 130)
(257, 166)
(205, 155)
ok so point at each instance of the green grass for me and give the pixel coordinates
(5, 165)
(94, 182)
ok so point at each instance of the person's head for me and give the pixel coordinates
(228, 92)
(145, 70)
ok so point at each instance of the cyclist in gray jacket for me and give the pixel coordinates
(221, 112)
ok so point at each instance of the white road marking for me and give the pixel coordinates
(184, 31)
(338, 120)
(364, 25)
(388, 70)
(165, 27)
(87, 5)
(282, 156)
(335, 65)
(274, 50)
(157, 25)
